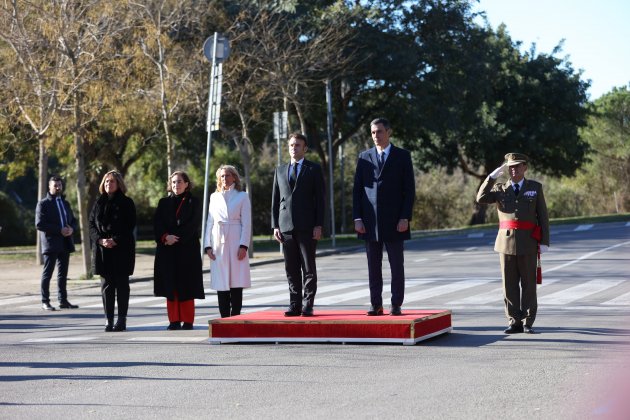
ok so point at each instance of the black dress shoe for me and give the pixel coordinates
(395, 310)
(67, 305)
(47, 306)
(293, 312)
(174, 326)
(375, 311)
(121, 325)
(528, 330)
(514, 329)
(307, 311)
(187, 326)
(109, 327)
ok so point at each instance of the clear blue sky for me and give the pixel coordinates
(596, 34)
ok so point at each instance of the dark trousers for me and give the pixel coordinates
(519, 288)
(299, 263)
(230, 301)
(112, 287)
(50, 259)
(395, 255)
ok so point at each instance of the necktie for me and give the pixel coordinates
(293, 176)
(62, 212)
(516, 189)
(381, 161)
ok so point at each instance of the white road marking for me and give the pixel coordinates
(619, 300)
(582, 228)
(476, 235)
(584, 257)
(578, 292)
(444, 289)
(494, 295)
(59, 339)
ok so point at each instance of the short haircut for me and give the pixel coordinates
(119, 180)
(383, 121)
(184, 176)
(237, 178)
(299, 136)
(55, 178)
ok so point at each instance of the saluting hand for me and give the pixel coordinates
(497, 172)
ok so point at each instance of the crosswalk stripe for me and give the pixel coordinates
(21, 299)
(285, 298)
(444, 289)
(494, 295)
(619, 300)
(584, 257)
(59, 339)
(331, 300)
(580, 291)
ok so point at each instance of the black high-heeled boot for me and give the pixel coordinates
(121, 324)
(109, 327)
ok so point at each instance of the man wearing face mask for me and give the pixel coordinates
(523, 233)
(56, 223)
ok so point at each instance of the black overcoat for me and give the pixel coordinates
(177, 267)
(382, 197)
(113, 218)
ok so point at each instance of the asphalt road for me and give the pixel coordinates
(62, 364)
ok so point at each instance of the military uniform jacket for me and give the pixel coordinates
(528, 206)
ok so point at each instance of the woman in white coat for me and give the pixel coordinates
(228, 232)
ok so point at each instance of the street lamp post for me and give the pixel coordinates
(216, 49)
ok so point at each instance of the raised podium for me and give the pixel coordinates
(330, 326)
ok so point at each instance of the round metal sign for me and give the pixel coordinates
(223, 48)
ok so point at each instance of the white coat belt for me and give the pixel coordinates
(219, 237)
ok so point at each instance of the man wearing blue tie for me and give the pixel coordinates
(297, 217)
(382, 204)
(56, 223)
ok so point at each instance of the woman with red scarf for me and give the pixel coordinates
(177, 268)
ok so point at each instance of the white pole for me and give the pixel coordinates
(211, 95)
(330, 162)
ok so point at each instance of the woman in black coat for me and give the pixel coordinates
(112, 224)
(177, 269)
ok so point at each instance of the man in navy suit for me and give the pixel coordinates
(297, 217)
(56, 223)
(382, 203)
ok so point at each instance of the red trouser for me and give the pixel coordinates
(180, 310)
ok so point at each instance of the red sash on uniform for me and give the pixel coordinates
(536, 234)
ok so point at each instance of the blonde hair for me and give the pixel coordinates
(119, 180)
(237, 178)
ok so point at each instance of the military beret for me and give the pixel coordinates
(515, 158)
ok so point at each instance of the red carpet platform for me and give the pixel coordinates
(340, 326)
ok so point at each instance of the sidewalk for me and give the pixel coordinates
(21, 276)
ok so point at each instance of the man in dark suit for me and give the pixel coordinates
(523, 233)
(297, 217)
(56, 223)
(382, 203)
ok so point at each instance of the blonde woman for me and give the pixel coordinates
(228, 234)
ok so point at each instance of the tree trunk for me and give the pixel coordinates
(243, 148)
(79, 158)
(41, 190)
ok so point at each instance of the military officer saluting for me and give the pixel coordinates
(523, 226)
